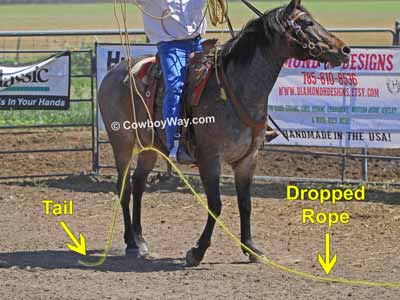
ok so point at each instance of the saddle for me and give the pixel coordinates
(147, 72)
(148, 77)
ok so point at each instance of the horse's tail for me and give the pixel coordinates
(115, 105)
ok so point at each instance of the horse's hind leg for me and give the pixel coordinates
(210, 174)
(126, 198)
(122, 158)
(145, 164)
(244, 172)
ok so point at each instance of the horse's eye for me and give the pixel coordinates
(308, 23)
(304, 23)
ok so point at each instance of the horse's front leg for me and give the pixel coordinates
(210, 173)
(244, 172)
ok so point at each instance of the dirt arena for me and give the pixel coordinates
(36, 264)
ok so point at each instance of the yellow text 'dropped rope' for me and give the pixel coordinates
(232, 236)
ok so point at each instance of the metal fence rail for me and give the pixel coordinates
(394, 35)
(93, 35)
(91, 124)
(36, 33)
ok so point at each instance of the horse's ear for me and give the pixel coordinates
(292, 6)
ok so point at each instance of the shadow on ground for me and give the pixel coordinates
(161, 183)
(48, 260)
(157, 183)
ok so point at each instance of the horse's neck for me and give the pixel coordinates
(253, 82)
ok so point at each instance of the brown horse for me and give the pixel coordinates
(249, 66)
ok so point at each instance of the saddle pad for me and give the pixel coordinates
(141, 68)
(198, 75)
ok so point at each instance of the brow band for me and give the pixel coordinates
(300, 14)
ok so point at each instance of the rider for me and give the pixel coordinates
(176, 27)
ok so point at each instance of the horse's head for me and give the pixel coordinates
(307, 39)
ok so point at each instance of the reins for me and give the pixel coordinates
(299, 38)
(255, 125)
(233, 237)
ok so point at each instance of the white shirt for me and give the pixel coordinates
(186, 19)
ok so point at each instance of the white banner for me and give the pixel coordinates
(45, 85)
(108, 55)
(356, 105)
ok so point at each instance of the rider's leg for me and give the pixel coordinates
(174, 58)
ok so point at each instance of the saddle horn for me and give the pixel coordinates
(253, 8)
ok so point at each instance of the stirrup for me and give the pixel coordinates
(183, 156)
(271, 135)
(173, 153)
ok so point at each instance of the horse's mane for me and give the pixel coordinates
(257, 32)
(254, 34)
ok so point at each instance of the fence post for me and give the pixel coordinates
(343, 171)
(94, 115)
(169, 170)
(397, 37)
(364, 166)
(17, 50)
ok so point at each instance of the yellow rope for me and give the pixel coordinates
(217, 11)
(233, 237)
(124, 39)
(166, 13)
(203, 202)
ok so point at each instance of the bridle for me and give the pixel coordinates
(294, 33)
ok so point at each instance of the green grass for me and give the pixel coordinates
(79, 112)
(331, 13)
(340, 13)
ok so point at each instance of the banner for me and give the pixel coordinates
(108, 55)
(355, 105)
(41, 86)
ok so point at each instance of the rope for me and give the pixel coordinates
(166, 13)
(217, 11)
(124, 39)
(203, 202)
(232, 236)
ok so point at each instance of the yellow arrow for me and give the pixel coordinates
(327, 264)
(79, 247)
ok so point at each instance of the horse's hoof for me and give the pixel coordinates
(142, 246)
(137, 252)
(144, 250)
(191, 259)
(133, 252)
(256, 259)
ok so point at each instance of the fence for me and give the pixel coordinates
(96, 141)
(48, 124)
(73, 39)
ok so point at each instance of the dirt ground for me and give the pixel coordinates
(36, 264)
(269, 163)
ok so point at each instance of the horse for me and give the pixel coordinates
(249, 65)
